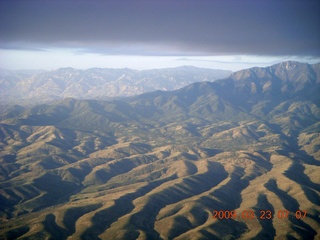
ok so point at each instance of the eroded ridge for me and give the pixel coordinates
(233, 159)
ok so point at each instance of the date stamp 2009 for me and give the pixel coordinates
(262, 214)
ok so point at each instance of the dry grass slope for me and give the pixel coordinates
(109, 170)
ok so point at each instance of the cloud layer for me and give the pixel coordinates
(175, 27)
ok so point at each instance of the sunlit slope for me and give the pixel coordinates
(156, 166)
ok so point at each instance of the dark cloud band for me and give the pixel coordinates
(189, 27)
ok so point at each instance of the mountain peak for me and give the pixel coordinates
(289, 65)
(148, 156)
(288, 70)
(98, 83)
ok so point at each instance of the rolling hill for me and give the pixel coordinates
(161, 165)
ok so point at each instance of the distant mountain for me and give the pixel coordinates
(169, 164)
(96, 83)
(253, 93)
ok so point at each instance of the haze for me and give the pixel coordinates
(216, 137)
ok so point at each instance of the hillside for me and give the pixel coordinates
(158, 165)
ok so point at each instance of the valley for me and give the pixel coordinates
(156, 165)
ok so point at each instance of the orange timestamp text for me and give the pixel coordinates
(261, 214)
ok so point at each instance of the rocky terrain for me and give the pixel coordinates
(34, 87)
(158, 165)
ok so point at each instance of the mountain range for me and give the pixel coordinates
(34, 87)
(160, 165)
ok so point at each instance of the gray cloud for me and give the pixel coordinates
(175, 27)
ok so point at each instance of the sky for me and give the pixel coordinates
(146, 34)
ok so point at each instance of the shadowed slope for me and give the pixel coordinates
(156, 166)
